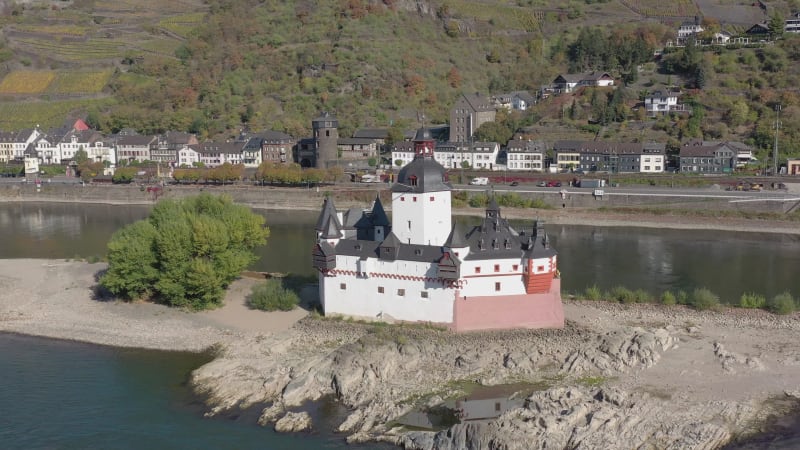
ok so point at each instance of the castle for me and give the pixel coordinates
(421, 268)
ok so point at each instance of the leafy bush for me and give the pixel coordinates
(185, 253)
(752, 300)
(479, 201)
(272, 296)
(668, 298)
(703, 299)
(782, 304)
(682, 297)
(622, 295)
(642, 296)
(593, 293)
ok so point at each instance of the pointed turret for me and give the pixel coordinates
(379, 217)
(328, 210)
(457, 238)
(332, 229)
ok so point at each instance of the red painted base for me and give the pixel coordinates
(509, 311)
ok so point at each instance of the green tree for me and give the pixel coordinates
(776, 25)
(185, 253)
(80, 156)
(124, 175)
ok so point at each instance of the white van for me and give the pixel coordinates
(479, 181)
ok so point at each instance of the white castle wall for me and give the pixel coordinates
(355, 291)
(482, 282)
(421, 218)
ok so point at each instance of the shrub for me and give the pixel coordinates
(782, 304)
(668, 298)
(272, 296)
(592, 293)
(703, 299)
(642, 296)
(752, 300)
(683, 297)
(479, 201)
(622, 295)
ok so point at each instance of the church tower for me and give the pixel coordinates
(326, 135)
(421, 197)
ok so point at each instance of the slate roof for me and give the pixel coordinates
(328, 210)
(457, 237)
(137, 140)
(371, 133)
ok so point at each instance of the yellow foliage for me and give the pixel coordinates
(26, 82)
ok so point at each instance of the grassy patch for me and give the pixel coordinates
(26, 82)
(80, 82)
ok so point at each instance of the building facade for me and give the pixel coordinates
(468, 113)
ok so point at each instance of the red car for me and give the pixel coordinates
(553, 184)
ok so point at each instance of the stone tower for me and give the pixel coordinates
(326, 135)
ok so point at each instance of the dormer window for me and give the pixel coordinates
(412, 180)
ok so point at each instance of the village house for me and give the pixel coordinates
(526, 155)
(793, 166)
(132, 148)
(689, 29)
(662, 103)
(166, 148)
(14, 143)
(707, 157)
(570, 82)
(379, 135)
(454, 155)
(357, 148)
(214, 154)
(793, 23)
(468, 113)
(420, 267)
(514, 101)
(615, 157)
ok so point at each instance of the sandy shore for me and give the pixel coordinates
(683, 374)
(54, 298)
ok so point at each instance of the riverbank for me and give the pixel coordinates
(617, 376)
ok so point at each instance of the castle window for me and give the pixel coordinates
(423, 294)
(478, 269)
(412, 180)
(402, 199)
(380, 289)
(343, 286)
(515, 267)
(540, 268)
(401, 292)
(431, 198)
(415, 198)
(497, 286)
(497, 267)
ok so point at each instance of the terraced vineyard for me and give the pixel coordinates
(26, 82)
(19, 115)
(660, 8)
(79, 82)
(184, 24)
(70, 51)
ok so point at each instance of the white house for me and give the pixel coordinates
(213, 154)
(793, 23)
(525, 155)
(14, 143)
(689, 29)
(421, 268)
(455, 155)
(188, 157)
(660, 103)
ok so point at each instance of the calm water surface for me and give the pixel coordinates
(728, 263)
(66, 395)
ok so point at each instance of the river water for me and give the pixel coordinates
(69, 395)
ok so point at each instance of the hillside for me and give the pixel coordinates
(210, 67)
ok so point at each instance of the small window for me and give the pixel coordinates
(415, 198)
(380, 289)
(423, 294)
(515, 267)
(431, 198)
(497, 267)
(342, 286)
(402, 199)
(540, 268)
(497, 286)
(497, 406)
(401, 292)
(477, 270)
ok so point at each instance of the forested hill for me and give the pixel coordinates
(210, 67)
(276, 64)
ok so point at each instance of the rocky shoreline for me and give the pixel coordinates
(617, 376)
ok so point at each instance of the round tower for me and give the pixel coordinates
(421, 199)
(326, 135)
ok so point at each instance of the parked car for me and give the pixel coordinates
(542, 184)
(553, 184)
(514, 183)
